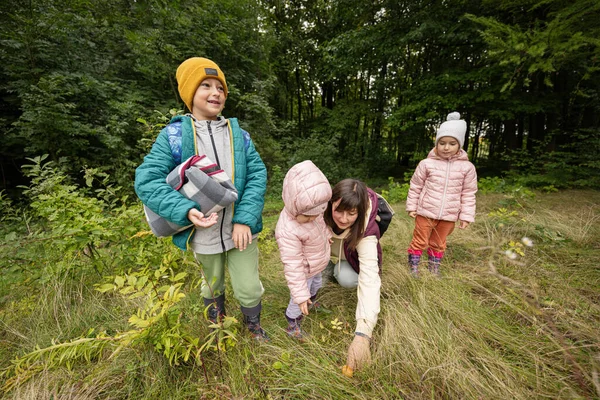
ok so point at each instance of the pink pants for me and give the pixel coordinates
(430, 233)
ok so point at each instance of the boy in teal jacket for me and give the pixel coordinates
(228, 237)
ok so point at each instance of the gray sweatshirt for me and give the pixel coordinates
(213, 139)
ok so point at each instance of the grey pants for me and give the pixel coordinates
(314, 284)
(345, 275)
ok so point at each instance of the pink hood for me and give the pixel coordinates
(444, 189)
(304, 248)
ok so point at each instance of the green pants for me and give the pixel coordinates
(243, 271)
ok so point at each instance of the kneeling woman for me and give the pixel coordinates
(351, 216)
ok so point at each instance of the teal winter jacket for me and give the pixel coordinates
(176, 143)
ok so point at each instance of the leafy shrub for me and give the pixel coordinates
(275, 184)
(266, 241)
(396, 191)
(573, 165)
(493, 184)
(74, 223)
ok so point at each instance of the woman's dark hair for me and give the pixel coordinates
(354, 196)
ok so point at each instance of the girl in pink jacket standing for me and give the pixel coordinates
(303, 239)
(442, 191)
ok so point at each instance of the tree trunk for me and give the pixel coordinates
(536, 130)
(299, 100)
(510, 133)
(520, 131)
(468, 121)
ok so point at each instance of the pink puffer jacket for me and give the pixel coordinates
(304, 248)
(444, 189)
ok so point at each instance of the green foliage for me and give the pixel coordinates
(158, 323)
(275, 184)
(66, 354)
(267, 242)
(491, 185)
(9, 212)
(82, 224)
(572, 165)
(323, 151)
(396, 191)
(73, 221)
(545, 47)
(153, 124)
(503, 216)
(514, 189)
(76, 74)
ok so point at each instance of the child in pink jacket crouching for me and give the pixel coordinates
(303, 239)
(442, 191)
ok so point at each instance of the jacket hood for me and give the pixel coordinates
(305, 188)
(461, 155)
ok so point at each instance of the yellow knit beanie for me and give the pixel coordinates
(192, 72)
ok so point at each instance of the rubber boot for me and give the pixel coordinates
(253, 324)
(434, 265)
(294, 330)
(216, 310)
(413, 263)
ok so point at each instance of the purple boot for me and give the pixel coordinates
(294, 330)
(435, 258)
(413, 263)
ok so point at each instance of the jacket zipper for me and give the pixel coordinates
(212, 141)
(445, 190)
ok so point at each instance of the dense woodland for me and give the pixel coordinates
(357, 86)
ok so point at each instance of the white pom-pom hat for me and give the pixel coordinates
(453, 127)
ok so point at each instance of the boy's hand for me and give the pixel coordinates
(464, 224)
(304, 306)
(199, 220)
(412, 214)
(242, 236)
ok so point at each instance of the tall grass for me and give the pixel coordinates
(491, 328)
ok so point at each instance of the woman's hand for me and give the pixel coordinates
(412, 214)
(464, 224)
(242, 236)
(199, 220)
(359, 353)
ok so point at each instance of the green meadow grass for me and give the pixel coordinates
(491, 328)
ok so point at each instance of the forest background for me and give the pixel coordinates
(358, 87)
(91, 306)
